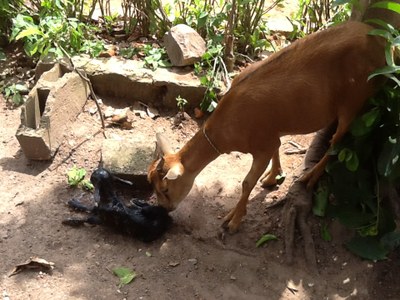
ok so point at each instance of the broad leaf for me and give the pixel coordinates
(391, 240)
(125, 275)
(265, 238)
(393, 6)
(384, 71)
(321, 199)
(367, 247)
(28, 32)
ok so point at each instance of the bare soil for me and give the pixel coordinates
(189, 261)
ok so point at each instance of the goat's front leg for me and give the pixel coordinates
(233, 219)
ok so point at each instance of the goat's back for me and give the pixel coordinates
(302, 88)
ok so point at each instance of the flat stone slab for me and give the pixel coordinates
(129, 159)
(129, 81)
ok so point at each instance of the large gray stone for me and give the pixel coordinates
(51, 109)
(128, 81)
(129, 159)
(184, 45)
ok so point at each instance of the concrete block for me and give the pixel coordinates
(51, 108)
(129, 159)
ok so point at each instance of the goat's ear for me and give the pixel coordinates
(174, 172)
(163, 146)
(160, 165)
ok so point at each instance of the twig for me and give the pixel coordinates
(300, 149)
(74, 149)
(84, 77)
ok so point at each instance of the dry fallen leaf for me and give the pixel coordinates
(198, 113)
(35, 263)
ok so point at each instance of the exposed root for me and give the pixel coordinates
(298, 202)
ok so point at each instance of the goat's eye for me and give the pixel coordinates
(165, 191)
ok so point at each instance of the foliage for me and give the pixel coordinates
(125, 275)
(155, 57)
(212, 73)
(315, 14)
(13, 93)
(76, 177)
(181, 103)
(367, 163)
(265, 238)
(250, 29)
(53, 32)
(8, 10)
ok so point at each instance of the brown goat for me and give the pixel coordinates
(307, 86)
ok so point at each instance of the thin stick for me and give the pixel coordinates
(84, 77)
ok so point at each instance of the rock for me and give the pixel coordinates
(279, 24)
(184, 45)
(129, 159)
(130, 81)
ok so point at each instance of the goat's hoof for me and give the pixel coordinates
(230, 227)
(268, 183)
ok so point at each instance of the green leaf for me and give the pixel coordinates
(381, 23)
(352, 162)
(367, 247)
(382, 33)
(391, 240)
(388, 158)
(371, 116)
(280, 178)
(75, 175)
(265, 238)
(325, 234)
(28, 32)
(87, 185)
(343, 154)
(2, 55)
(125, 275)
(393, 6)
(370, 230)
(321, 198)
(384, 71)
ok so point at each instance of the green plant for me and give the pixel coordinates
(76, 177)
(250, 29)
(212, 72)
(53, 32)
(13, 93)
(315, 14)
(155, 57)
(8, 10)
(181, 103)
(367, 164)
(128, 52)
(111, 21)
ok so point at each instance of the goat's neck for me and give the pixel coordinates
(197, 153)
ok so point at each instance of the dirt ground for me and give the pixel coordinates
(189, 261)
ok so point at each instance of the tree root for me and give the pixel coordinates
(298, 200)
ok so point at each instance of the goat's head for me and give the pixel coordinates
(167, 175)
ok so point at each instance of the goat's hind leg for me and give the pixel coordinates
(75, 204)
(269, 177)
(72, 221)
(311, 178)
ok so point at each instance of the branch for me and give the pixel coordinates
(84, 77)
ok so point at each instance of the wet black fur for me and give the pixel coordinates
(141, 220)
